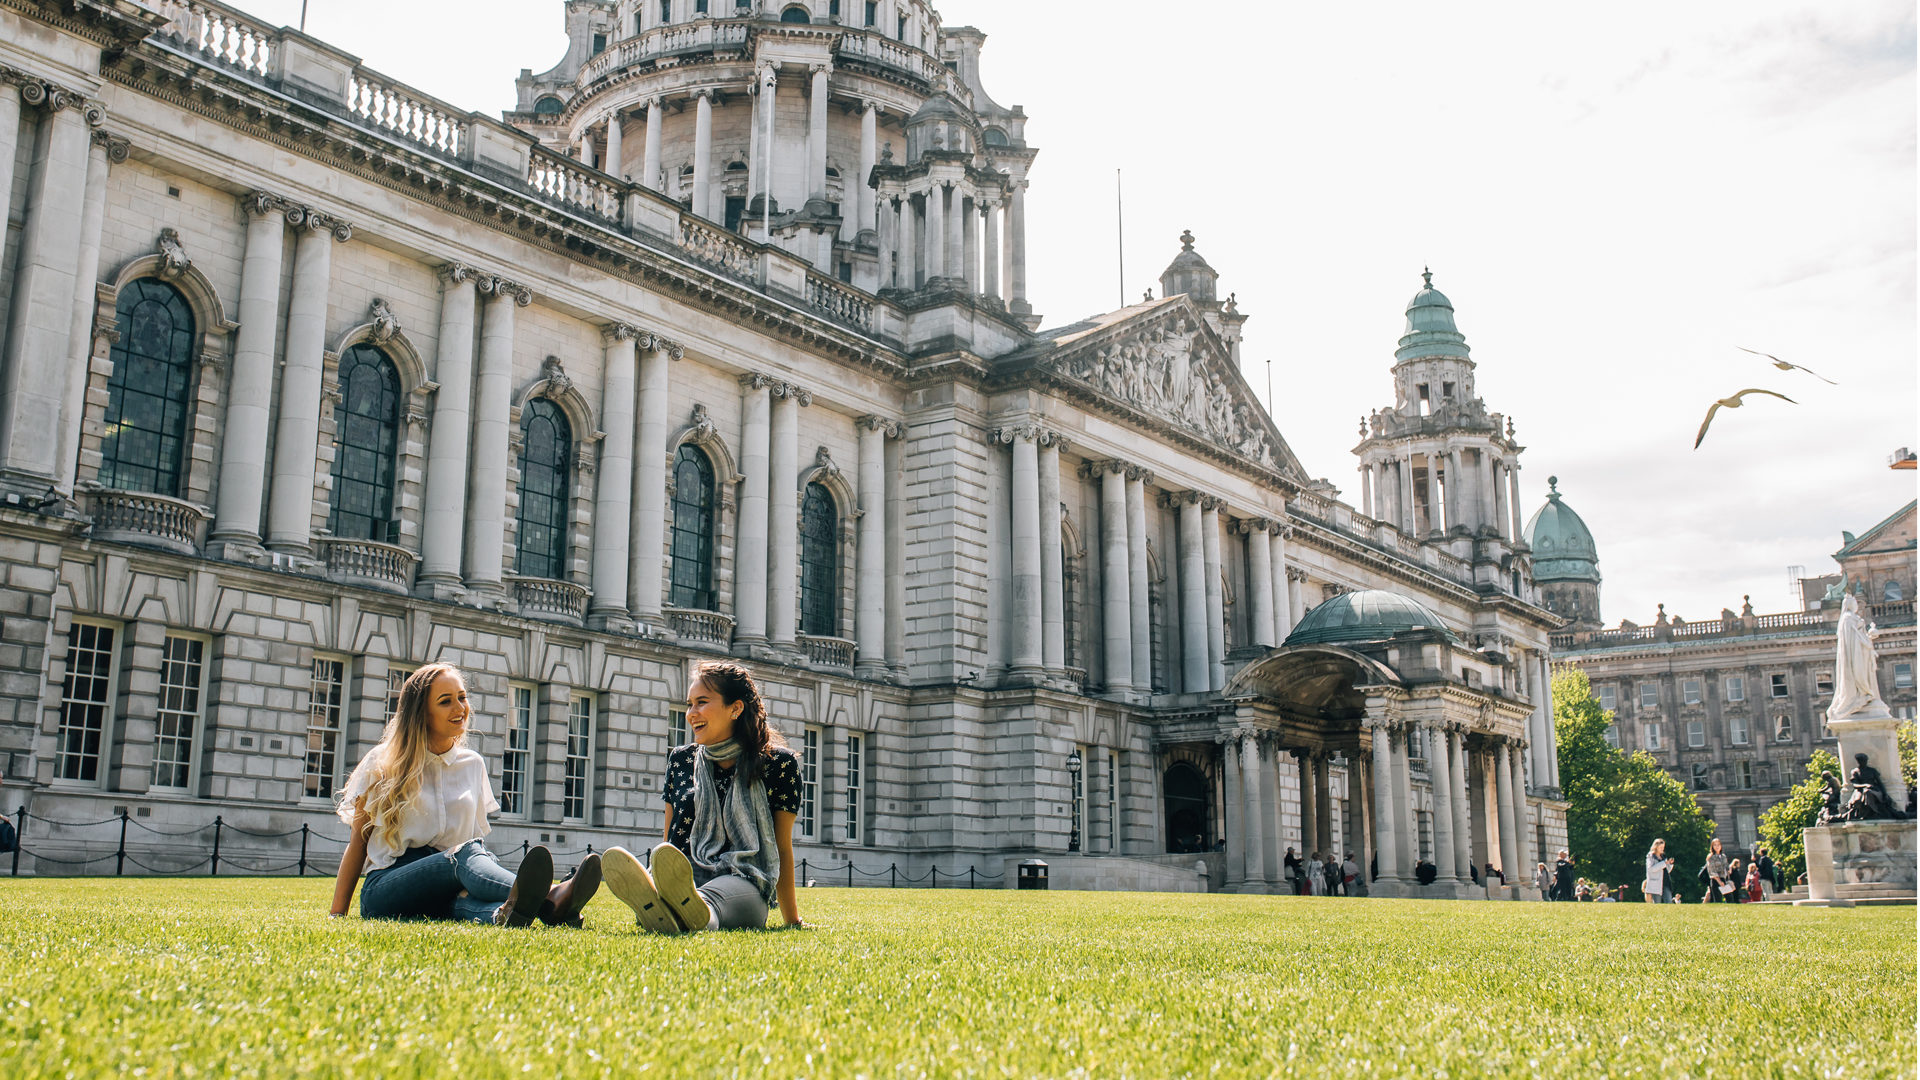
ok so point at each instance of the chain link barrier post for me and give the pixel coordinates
(216, 845)
(120, 856)
(303, 850)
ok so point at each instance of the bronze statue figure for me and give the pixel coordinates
(1830, 810)
(1870, 801)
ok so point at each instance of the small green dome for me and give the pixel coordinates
(1430, 329)
(1368, 615)
(1563, 547)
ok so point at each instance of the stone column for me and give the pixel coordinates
(1386, 845)
(1366, 490)
(1116, 586)
(243, 448)
(936, 253)
(296, 441)
(870, 598)
(1408, 850)
(445, 512)
(1513, 500)
(750, 549)
(760, 153)
(93, 216)
(1503, 799)
(585, 156)
(1439, 754)
(1283, 613)
(1256, 827)
(1523, 844)
(1456, 477)
(9, 142)
(615, 164)
(1323, 803)
(1309, 805)
(1195, 665)
(1028, 653)
(966, 215)
(1487, 501)
(1457, 772)
(907, 263)
(817, 136)
(1296, 593)
(897, 553)
(702, 151)
(887, 243)
(1231, 812)
(1017, 247)
(1260, 581)
(647, 507)
(1216, 601)
(492, 435)
(1409, 522)
(1498, 485)
(1270, 798)
(650, 148)
(1551, 751)
(957, 246)
(613, 494)
(1053, 605)
(783, 513)
(990, 264)
(1140, 603)
(40, 315)
(864, 217)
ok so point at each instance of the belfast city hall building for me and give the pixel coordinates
(719, 344)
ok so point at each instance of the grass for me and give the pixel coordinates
(207, 977)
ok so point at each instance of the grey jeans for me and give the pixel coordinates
(429, 883)
(736, 903)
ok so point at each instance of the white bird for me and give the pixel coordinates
(1733, 402)
(1784, 366)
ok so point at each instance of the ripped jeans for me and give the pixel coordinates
(427, 883)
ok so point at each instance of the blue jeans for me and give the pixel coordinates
(426, 882)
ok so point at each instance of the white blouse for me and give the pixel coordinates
(451, 808)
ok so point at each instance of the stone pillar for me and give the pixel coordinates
(296, 441)
(1296, 593)
(445, 512)
(1195, 666)
(40, 314)
(1439, 761)
(1017, 248)
(1260, 581)
(1386, 845)
(870, 597)
(1231, 812)
(492, 435)
(702, 151)
(1270, 797)
(967, 217)
(760, 150)
(585, 156)
(1551, 752)
(1457, 799)
(1216, 601)
(650, 151)
(613, 494)
(1028, 653)
(1487, 505)
(9, 142)
(1309, 805)
(1503, 800)
(1323, 803)
(93, 216)
(936, 253)
(243, 448)
(1408, 850)
(616, 164)
(1283, 613)
(1139, 603)
(817, 136)
(864, 217)
(1456, 489)
(1409, 523)
(1498, 485)
(990, 264)
(957, 246)
(648, 504)
(1366, 490)
(887, 243)
(907, 263)
(783, 513)
(1116, 586)
(1513, 500)
(750, 549)
(1053, 605)
(1523, 844)
(897, 553)
(1256, 827)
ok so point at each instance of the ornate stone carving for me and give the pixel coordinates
(892, 429)
(1092, 470)
(318, 222)
(457, 274)
(521, 295)
(1166, 370)
(1295, 573)
(700, 425)
(118, 149)
(789, 390)
(823, 461)
(623, 332)
(385, 322)
(1250, 526)
(673, 349)
(262, 203)
(757, 380)
(555, 374)
(173, 257)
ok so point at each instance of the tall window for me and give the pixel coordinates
(795, 14)
(1649, 695)
(692, 530)
(666, 12)
(1653, 736)
(573, 800)
(1113, 802)
(324, 707)
(1696, 734)
(1612, 735)
(819, 563)
(677, 728)
(1743, 827)
(1736, 688)
(1783, 728)
(517, 762)
(1700, 778)
(1903, 675)
(367, 433)
(545, 477)
(1823, 683)
(1745, 772)
(147, 404)
(855, 744)
(873, 12)
(1690, 692)
(396, 682)
(1737, 730)
(1609, 700)
(85, 701)
(1778, 685)
(809, 782)
(177, 721)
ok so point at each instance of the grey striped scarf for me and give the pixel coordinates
(734, 835)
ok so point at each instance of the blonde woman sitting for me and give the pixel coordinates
(417, 805)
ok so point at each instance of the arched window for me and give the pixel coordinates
(819, 563)
(994, 137)
(548, 106)
(147, 403)
(367, 435)
(1891, 593)
(692, 530)
(545, 487)
(796, 14)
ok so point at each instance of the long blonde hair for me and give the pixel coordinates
(390, 773)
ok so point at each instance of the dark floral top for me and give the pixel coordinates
(779, 770)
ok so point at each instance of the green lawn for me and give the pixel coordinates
(156, 978)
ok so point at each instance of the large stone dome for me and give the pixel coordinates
(1563, 547)
(1367, 615)
(1430, 329)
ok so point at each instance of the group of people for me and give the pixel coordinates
(1727, 881)
(1315, 876)
(418, 803)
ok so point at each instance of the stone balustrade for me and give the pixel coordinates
(828, 652)
(572, 185)
(550, 600)
(717, 249)
(367, 563)
(405, 113)
(219, 34)
(839, 302)
(701, 628)
(706, 36)
(140, 517)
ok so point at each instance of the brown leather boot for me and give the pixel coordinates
(531, 884)
(565, 900)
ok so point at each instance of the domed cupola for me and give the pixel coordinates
(1566, 562)
(1366, 615)
(1189, 273)
(940, 124)
(1430, 329)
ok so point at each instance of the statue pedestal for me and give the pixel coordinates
(1860, 862)
(1871, 732)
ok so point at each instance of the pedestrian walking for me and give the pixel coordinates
(1756, 891)
(1657, 888)
(1563, 875)
(1543, 881)
(1716, 870)
(1737, 878)
(1350, 875)
(1769, 873)
(417, 807)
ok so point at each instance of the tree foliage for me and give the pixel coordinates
(1780, 826)
(1904, 736)
(1618, 804)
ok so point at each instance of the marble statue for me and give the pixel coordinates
(1856, 681)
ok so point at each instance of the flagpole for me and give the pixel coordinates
(1120, 233)
(303, 16)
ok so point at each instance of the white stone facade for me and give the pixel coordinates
(972, 555)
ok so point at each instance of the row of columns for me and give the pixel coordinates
(942, 231)
(1254, 787)
(1486, 494)
(1274, 585)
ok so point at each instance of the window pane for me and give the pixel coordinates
(367, 438)
(1736, 688)
(514, 763)
(324, 708)
(1649, 695)
(178, 718)
(809, 781)
(819, 564)
(85, 697)
(579, 759)
(147, 406)
(546, 443)
(692, 572)
(1690, 691)
(1696, 734)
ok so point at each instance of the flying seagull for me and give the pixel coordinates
(1784, 366)
(1733, 402)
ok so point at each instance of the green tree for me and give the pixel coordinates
(1780, 826)
(1904, 735)
(1618, 804)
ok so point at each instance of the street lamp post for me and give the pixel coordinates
(1074, 766)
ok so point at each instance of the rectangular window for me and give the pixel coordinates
(699, 7)
(1613, 736)
(1737, 730)
(396, 681)
(1649, 695)
(516, 765)
(599, 44)
(1653, 736)
(1690, 692)
(1417, 743)
(1113, 802)
(1700, 778)
(809, 782)
(873, 12)
(677, 728)
(86, 702)
(1745, 772)
(573, 797)
(666, 12)
(1823, 683)
(1903, 675)
(177, 722)
(1783, 728)
(854, 765)
(902, 32)
(1696, 734)
(1778, 685)
(1609, 700)
(833, 10)
(1736, 688)
(1743, 828)
(325, 705)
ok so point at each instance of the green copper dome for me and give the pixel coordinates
(1563, 548)
(1368, 615)
(1430, 329)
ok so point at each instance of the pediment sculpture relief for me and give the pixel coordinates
(1163, 370)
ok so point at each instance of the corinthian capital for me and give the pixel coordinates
(500, 287)
(317, 221)
(262, 203)
(789, 390)
(620, 332)
(1250, 526)
(890, 429)
(1014, 432)
(116, 147)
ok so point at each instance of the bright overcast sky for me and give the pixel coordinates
(1614, 198)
